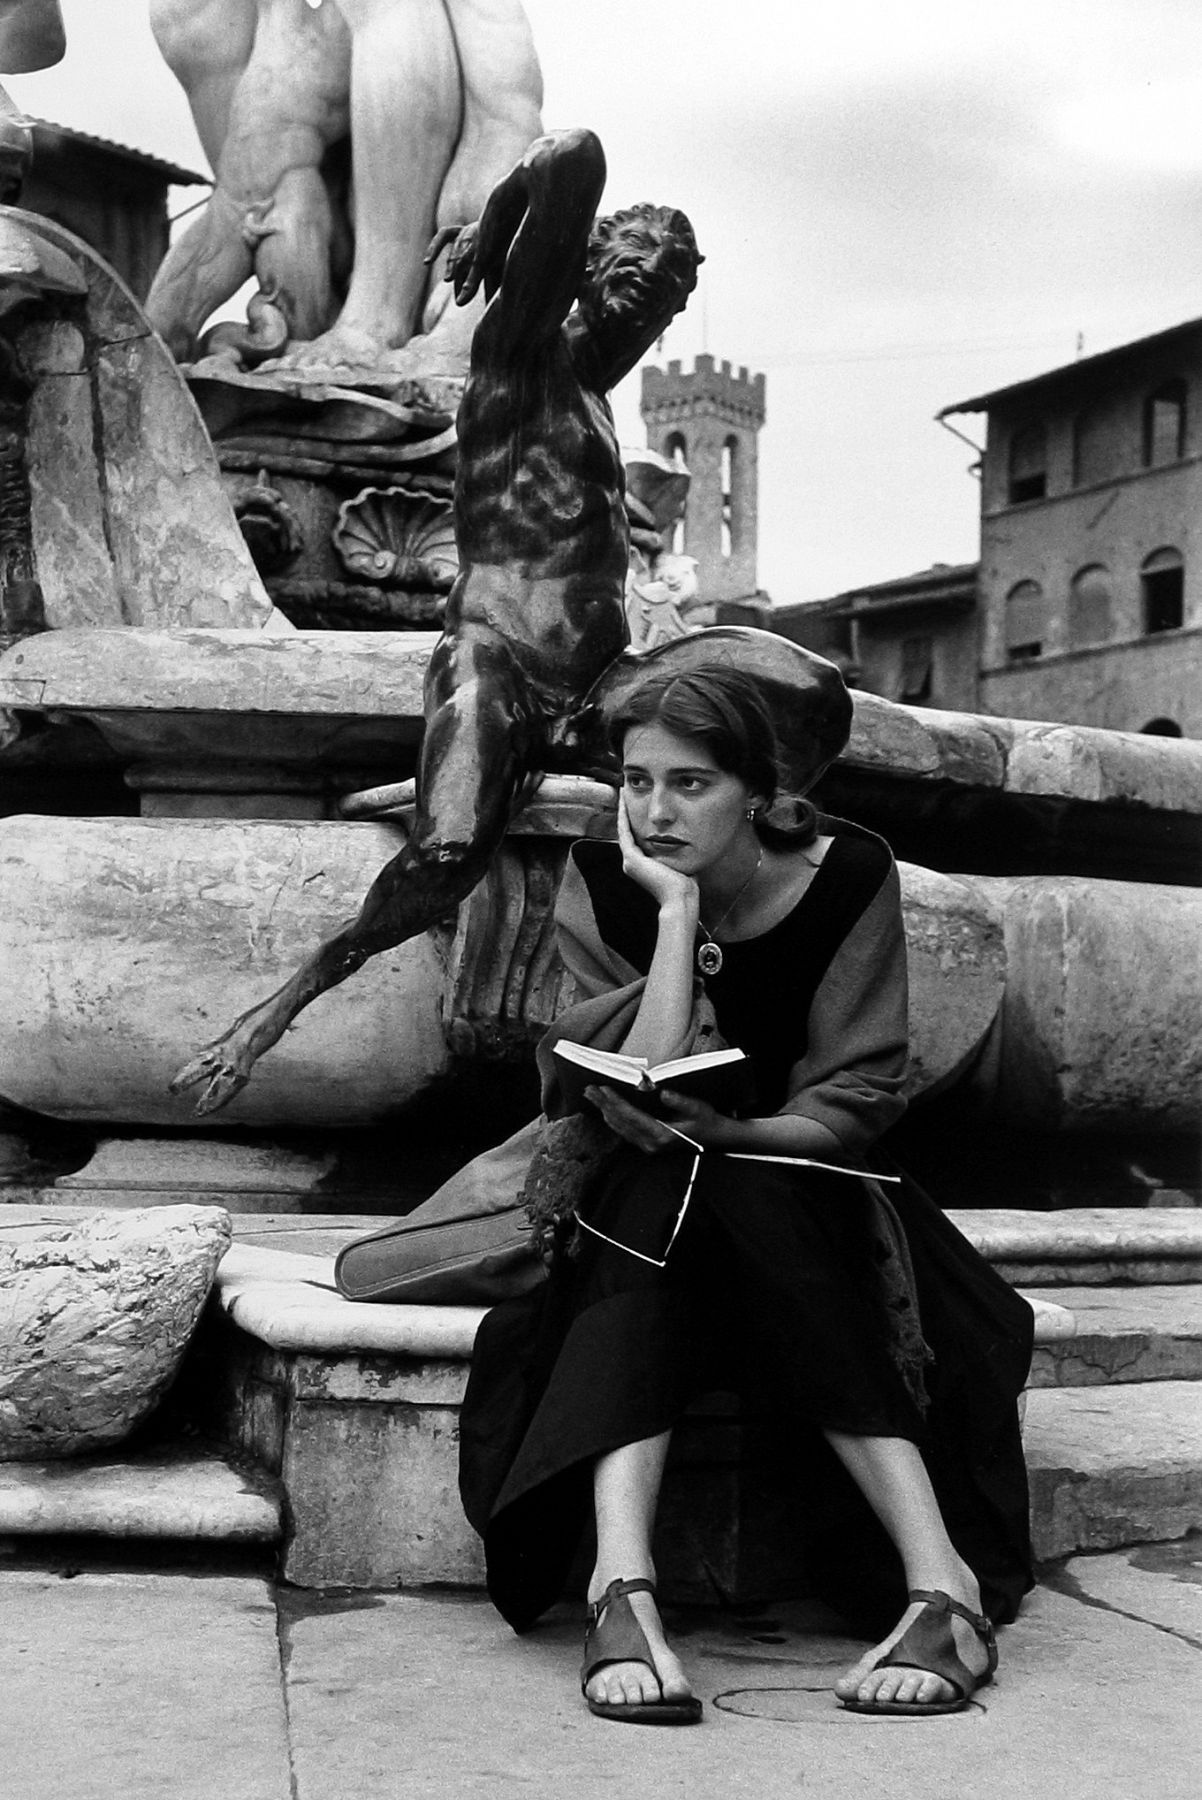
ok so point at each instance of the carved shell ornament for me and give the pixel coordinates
(400, 536)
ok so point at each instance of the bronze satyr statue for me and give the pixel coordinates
(536, 614)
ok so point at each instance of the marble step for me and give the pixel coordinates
(169, 1491)
(1113, 1465)
(1088, 1246)
(1079, 1247)
(1119, 1334)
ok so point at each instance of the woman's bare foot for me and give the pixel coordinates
(866, 1683)
(634, 1683)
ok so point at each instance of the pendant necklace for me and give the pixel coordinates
(709, 954)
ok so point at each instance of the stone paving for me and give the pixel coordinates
(201, 1684)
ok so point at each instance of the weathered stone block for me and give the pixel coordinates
(127, 439)
(1113, 1465)
(926, 742)
(1103, 995)
(173, 1493)
(128, 944)
(198, 1170)
(374, 1497)
(181, 673)
(230, 712)
(94, 1321)
(132, 942)
(957, 967)
(1094, 1246)
(67, 507)
(1123, 1334)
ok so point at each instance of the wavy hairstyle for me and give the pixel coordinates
(723, 710)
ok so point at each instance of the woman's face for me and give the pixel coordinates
(683, 809)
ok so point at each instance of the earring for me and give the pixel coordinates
(750, 813)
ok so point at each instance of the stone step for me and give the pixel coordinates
(1113, 1465)
(1079, 1247)
(1119, 1334)
(174, 1492)
(1094, 1246)
(356, 1408)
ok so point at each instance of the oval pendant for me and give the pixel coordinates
(709, 958)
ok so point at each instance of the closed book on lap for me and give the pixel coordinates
(722, 1078)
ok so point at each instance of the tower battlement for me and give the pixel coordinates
(708, 388)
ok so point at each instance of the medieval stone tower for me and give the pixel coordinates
(708, 418)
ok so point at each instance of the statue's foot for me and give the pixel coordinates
(224, 1070)
(427, 359)
(341, 349)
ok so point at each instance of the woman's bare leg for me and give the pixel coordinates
(892, 1476)
(625, 1492)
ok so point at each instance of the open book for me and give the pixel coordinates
(721, 1077)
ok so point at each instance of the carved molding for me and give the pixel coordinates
(398, 536)
(270, 526)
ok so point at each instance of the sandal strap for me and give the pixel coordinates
(618, 1637)
(928, 1645)
(615, 1591)
(939, 1602)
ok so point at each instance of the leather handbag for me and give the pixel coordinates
(468, 1245)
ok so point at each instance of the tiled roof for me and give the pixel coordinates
(1085, 365)
(169, 171)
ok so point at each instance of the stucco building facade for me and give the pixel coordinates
(913, 639)
(1090, 584)
(1086, 605)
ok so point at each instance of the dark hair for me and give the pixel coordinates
(667, 225)
(724, 710)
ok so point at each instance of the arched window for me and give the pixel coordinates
(1090, 618)
(1162, 586)
(730, 450)
(676, 451)
(1161, 728)
(1164, 424)
(1028, 463)
(1025, 616)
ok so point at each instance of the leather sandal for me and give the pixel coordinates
(614, 1635)
(928, 1645)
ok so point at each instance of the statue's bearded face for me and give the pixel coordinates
(633, 279)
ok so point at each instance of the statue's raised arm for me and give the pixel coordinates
(529, 248)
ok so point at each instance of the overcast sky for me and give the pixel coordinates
(902, 203)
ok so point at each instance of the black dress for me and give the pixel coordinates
(770, 1288)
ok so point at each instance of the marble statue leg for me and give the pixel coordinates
(271, 112)
(483, 735)
(406, 108)
(203, 269)
(502, 100)
(206, 44)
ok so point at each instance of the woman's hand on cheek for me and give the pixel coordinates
(630, 1122)
(663, 883)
